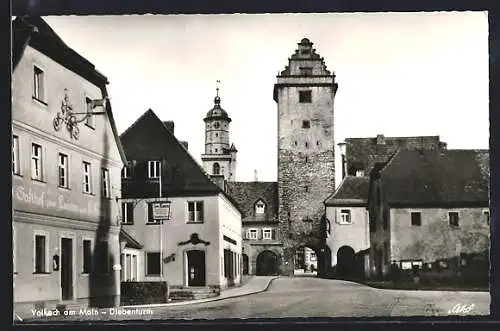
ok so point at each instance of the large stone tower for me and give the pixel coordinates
(219, 159)
(305, 93)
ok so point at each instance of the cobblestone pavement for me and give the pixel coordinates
(313, 297)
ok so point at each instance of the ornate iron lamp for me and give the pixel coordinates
(70, 119)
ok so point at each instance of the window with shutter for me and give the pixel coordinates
(151, 219)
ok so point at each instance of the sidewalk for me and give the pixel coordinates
(250, 285)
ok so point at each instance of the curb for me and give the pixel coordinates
(426, 290)
(193, 302)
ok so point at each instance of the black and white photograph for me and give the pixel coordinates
(250, 166)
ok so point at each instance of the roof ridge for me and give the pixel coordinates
(135, 123)
(396, 137)
(336, 190)
(389, 161)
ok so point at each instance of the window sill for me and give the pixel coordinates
(85, 274)
(16, 174)
(191, 222)
(122, 223)
(90, 126)
(151, 223)
(42, 273)
(41, 102)
(36, 180)
(65, 188)
(89, 193)
(156, 276)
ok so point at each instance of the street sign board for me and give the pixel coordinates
(161, 210)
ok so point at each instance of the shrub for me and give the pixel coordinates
(143, 292)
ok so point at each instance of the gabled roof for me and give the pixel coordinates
(353, 191)
(39, 35)
(148, 138)
(246, 194)
(435, 177)
(34, 31)
(129, 240)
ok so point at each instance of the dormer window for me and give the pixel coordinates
(260, 207)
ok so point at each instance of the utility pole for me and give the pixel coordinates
(161, 226)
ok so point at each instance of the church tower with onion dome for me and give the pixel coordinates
(219, 159)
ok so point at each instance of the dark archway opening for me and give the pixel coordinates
(267, 264)
(346, 262)
(245, 264)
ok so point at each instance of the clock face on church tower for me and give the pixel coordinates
(216, 125)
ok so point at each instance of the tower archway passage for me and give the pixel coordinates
(267, 263)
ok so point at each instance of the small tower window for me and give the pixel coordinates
(216, 168)
(307, 159)
(306, 71)
(307, 145)
(307, 188)
(216, 135)
(216, 125)
(305, 51)
(305, 97)
(306, 124)
(295, 143)
(216, 150)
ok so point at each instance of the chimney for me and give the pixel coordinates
(380, 139)
(443, 146)
(219, 180)
(185, 144)
(170, 126)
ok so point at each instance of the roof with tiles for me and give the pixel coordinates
(432, 177)
(353, 191)
(246, 194)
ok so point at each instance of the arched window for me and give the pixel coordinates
(260, 207)
(216, 169)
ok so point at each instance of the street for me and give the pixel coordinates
(314, 297)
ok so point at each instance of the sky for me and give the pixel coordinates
(399, 74)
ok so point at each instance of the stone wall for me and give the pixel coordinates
(302, 190)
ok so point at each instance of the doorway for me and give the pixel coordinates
(66, 269)
(346, 262)
(267, 264)
(196, 268)
(245, 264)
